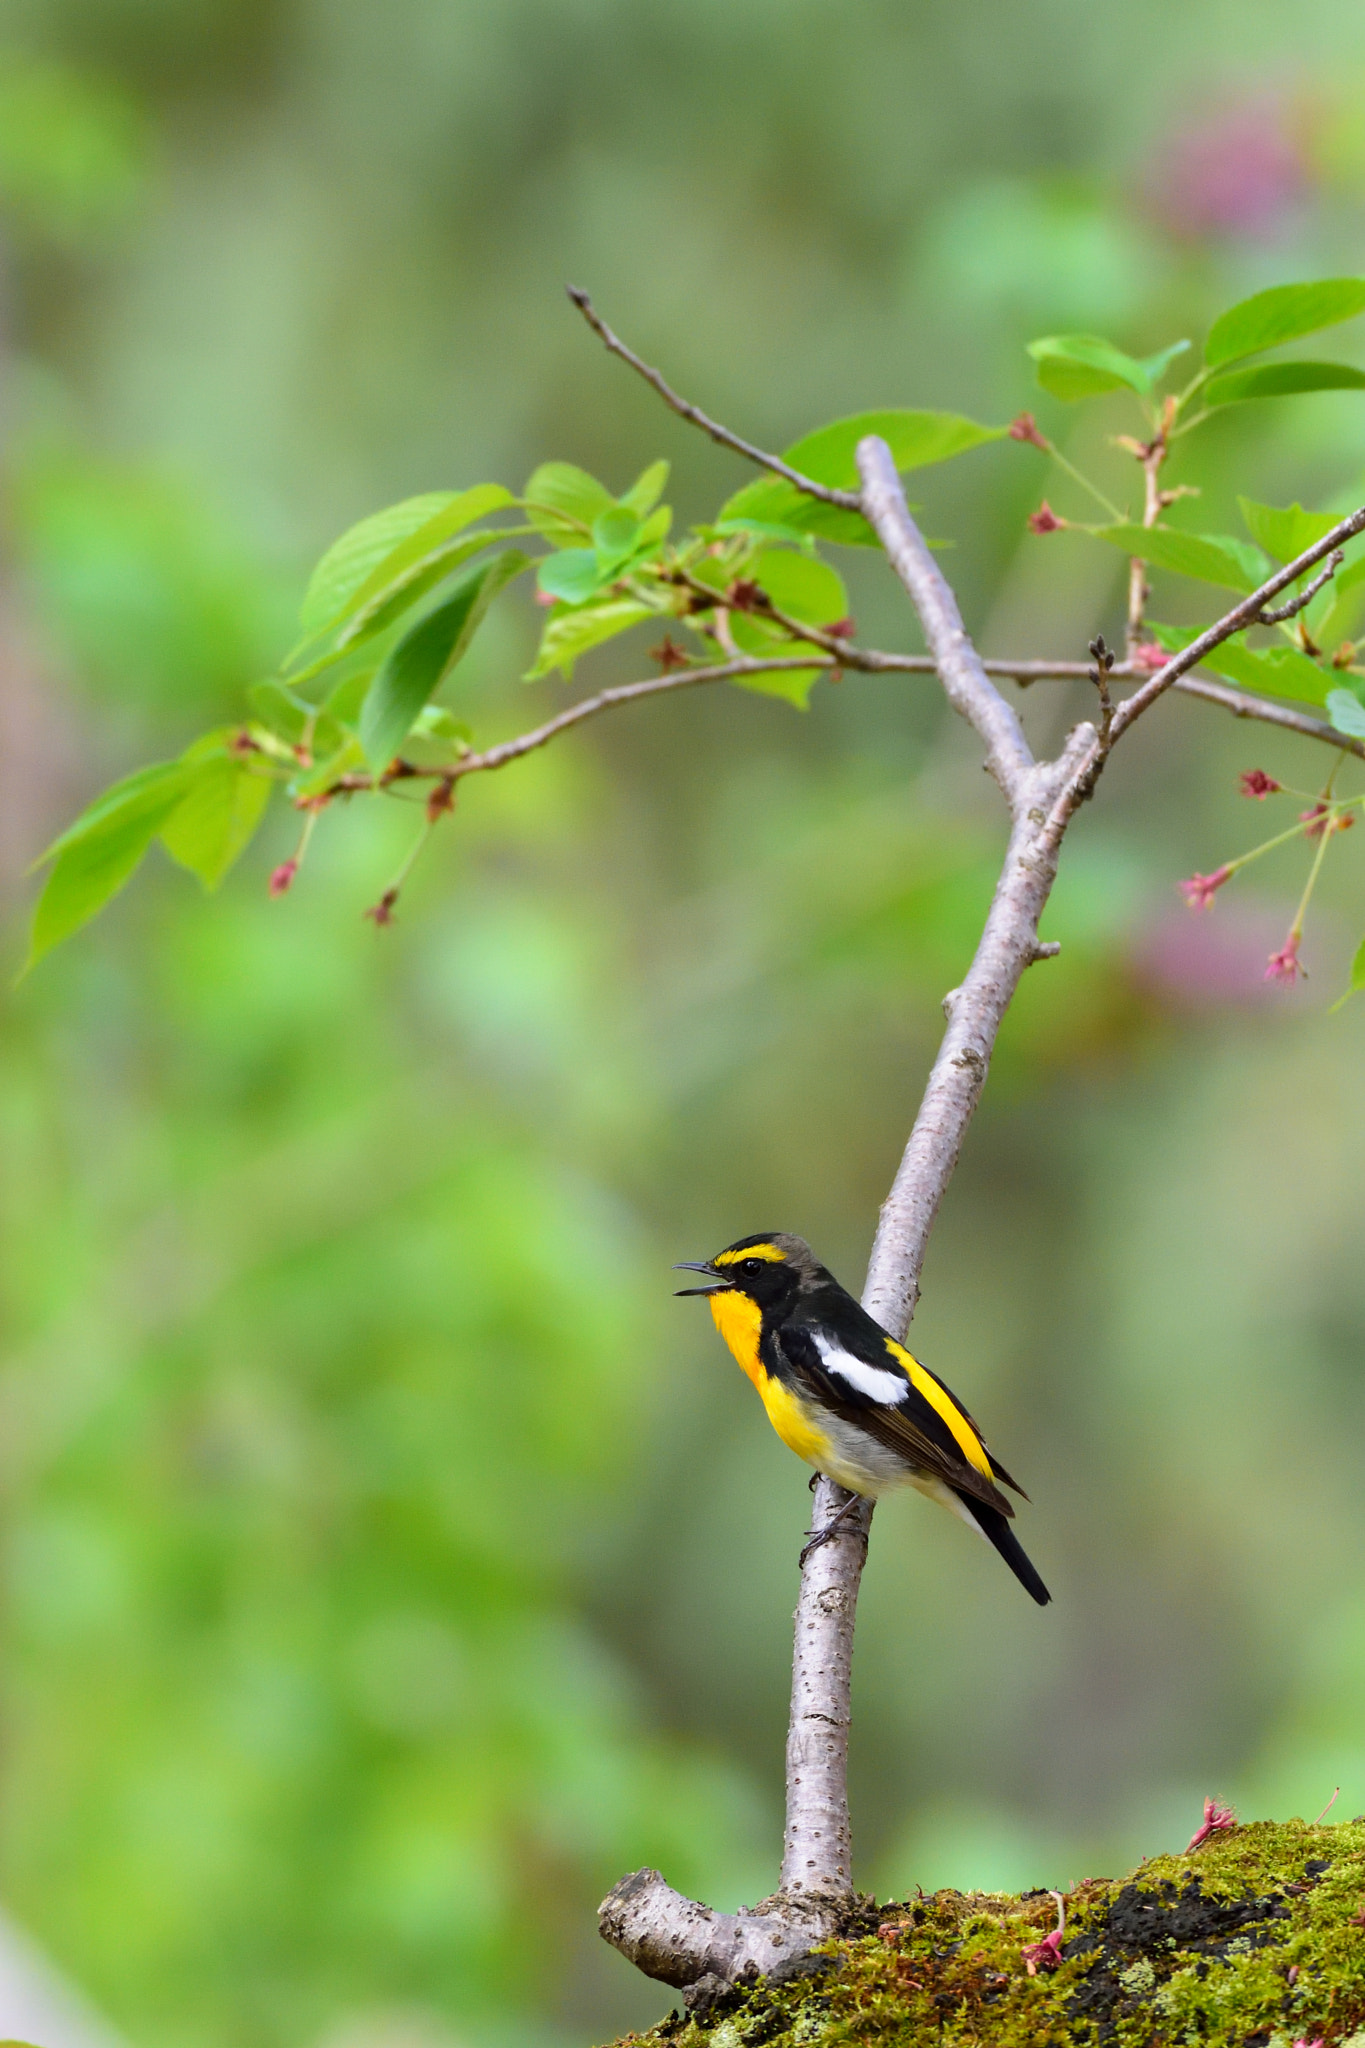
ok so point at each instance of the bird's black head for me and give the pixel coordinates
(771, 1268)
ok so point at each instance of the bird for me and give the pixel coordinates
(847, 1398)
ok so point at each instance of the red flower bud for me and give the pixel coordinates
(1045, 520)
(282, 877)
(1200, 890)
(1255, 782)
(1025, 428)
(382, 911)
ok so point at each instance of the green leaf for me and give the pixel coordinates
(1346, 713)
(562, 502)
(1156, 366)
(770, 505)
(396, 594)
(347, 563)
(806, 589)
(163, 780)
(916, 440)
(312, 781)
(350, 693)
(1281, 671)
(793, 685)
(1343, 606)
(1281, 314)
(101, 851)
(1212, 558)
(215, 819)
(426, 654)
(1273, 671)
(568, 634)
(1281, 380)
(574, 575)
(1073, 366)
(646, 491)
(1358, 967)
(615, 535)
(1285, 532)
(280, 710)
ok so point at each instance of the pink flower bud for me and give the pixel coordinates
(382, 911)
(1200, 890)
(1045, 520)
(1216, 1817)
(1256, 783)
(1025, 428)
(1285, 965)
(1148, 655)
(1044, 1954)
(283, 877)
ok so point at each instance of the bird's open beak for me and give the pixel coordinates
(700, 1266)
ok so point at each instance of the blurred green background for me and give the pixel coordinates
(388, 1562)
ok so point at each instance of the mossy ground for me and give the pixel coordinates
(1255, 1939)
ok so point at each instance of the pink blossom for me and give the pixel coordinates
(1285, 965)
(281, 879)
(1025, 428)
(1045, 520)
(382, 911)
(1319, 820)
(1255, 782)
(1216, 1818)
(1044, 1954)
(1200, 890)
(1148, 655)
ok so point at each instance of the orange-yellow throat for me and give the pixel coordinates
(740, 1322)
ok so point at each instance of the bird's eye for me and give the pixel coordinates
(753, 1267)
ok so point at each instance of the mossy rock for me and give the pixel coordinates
(1257, 1939)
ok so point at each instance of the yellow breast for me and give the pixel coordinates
(740, 1323)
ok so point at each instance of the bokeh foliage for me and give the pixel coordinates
(388, 1562)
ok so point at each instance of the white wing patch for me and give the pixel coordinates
(889, 1388)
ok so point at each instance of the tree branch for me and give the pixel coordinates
(1242, 705)
(848, 500)
(966, 682)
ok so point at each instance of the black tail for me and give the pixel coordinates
(996, 1530)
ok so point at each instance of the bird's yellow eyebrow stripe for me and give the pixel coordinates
(924, 1383)
(749, 1251)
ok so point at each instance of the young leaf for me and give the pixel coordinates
(162, 782)
(804, 588)
(1281, 380)
(568, 634)
(1156, 366)
(574, 575)
(1280, 671)
(1358, 969)
(376, 609)
(1343, 603)
(216, 817)
(562, 502)
(1285, 532)
(615, 535)
(1346, 713)
(101, 851)
(350, 560)
(426, 654)
(1213, 558)
(646, 491)
(771, 506)
(1073, 366)
(916, 440)
(281, 712)
(1282, 314)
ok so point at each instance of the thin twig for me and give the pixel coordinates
(848, 501)
(1243, 705)
(1305, 597)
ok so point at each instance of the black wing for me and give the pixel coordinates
(910, 1426)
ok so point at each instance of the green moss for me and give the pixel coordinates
(1252, 1940)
